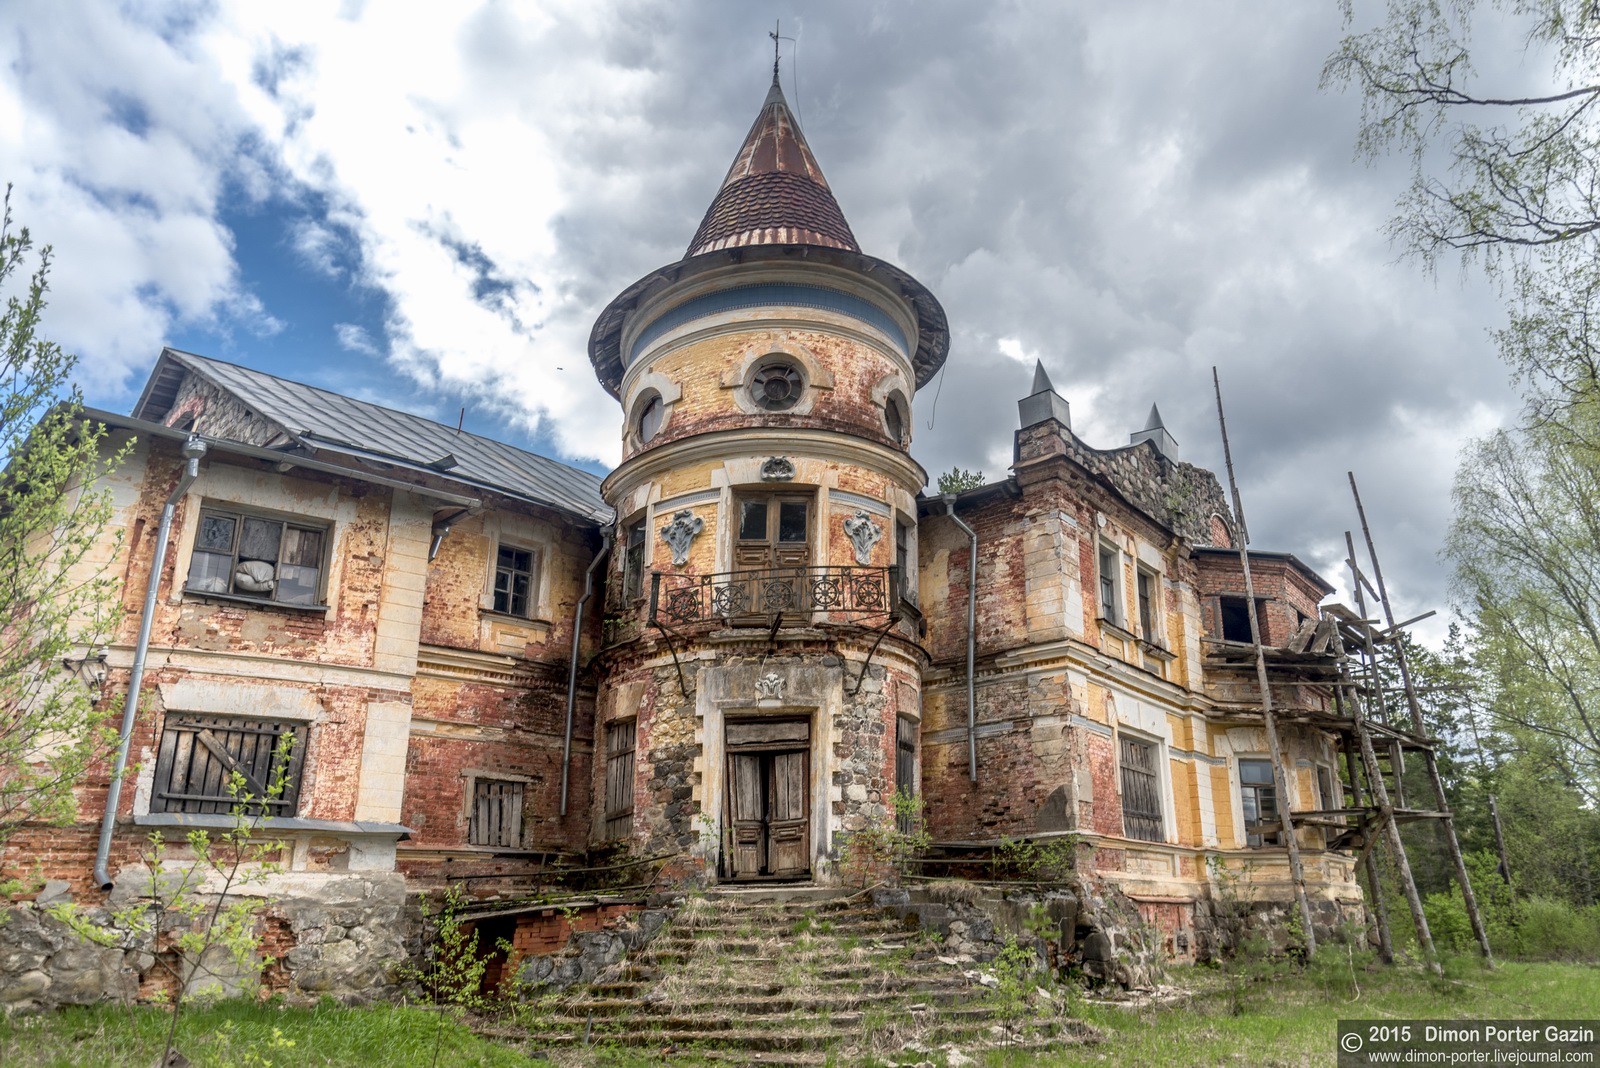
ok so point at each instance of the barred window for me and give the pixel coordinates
(1141, 792)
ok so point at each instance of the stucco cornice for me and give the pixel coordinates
(716, 446)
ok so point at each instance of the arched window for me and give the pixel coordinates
(652, 413)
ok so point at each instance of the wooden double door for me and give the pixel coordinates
(769, 825)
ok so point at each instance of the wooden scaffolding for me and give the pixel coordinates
(1352, 655)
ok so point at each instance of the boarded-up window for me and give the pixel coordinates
(619, 778)
(496, 818)
(905, 766)
(1141, 793)
(200, 754)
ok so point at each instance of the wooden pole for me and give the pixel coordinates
(1446, 820)
(1377, 907)
(1380, 792)
(1279, 775)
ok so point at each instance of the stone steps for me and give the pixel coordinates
(826, 980)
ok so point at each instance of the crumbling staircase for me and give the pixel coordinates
(798, 976)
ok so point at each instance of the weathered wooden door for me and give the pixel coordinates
(749, 815)
(788, 837)
(774, 531)
(769, 824)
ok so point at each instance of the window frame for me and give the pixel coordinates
(1255, 791)
(1111, 609)
(617, 797)
(1152, 821)
(1147, 592)
(170, 751)
(764, 369)
(635, 541)
(650, 402)
(517, 789)
(778, 551)
(287, 521)
(535, 563)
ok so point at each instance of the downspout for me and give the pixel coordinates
(193, 450)
(972, 635)
(572, 673)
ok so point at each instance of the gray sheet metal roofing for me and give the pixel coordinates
(331, 422)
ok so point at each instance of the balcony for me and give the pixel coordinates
(767, 597)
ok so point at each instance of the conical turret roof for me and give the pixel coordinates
(774, 194)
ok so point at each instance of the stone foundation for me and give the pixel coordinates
(344, 937)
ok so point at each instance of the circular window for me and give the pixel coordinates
(651, 416)
(894, 420)
(777, 386)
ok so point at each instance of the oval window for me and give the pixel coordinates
(777, 386)
(651, 416)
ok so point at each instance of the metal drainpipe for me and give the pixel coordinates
(193, 450)
(972, 635)
(572, 673)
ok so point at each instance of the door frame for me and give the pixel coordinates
(765, 754)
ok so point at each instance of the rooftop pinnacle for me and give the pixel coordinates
(774, 194)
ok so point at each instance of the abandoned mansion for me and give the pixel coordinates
(720, 661)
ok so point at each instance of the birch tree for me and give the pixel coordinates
(56, 606)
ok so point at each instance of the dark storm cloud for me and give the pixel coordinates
(1132, 194)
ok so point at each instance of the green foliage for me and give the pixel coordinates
(1506, 179)
(200, 929)
(1017, 968)
(957, 480)
(452, 975)
(1040, 860)
(56, 601)
(888, 848)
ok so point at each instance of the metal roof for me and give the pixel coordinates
(322, 421)
(774, 193)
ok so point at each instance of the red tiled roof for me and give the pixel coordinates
(774, 194)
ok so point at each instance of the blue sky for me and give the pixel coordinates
(429, 212)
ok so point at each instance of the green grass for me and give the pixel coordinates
(1284, 1016)
(239, 1034)
(1256, 1015)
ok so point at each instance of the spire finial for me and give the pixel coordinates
(777, 28)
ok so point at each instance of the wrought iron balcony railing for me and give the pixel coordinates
(773, 593)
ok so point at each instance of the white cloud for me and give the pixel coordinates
(354, 339)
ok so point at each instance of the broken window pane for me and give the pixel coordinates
(792, 521)
(753, 520)
(260, 540)
(216, 532)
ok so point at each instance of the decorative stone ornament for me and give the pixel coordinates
(770, 686)
(680, 534)
(863, 534)
(777, 469)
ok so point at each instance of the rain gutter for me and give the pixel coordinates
(572, 672)
(193, 450)
(972, 634)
